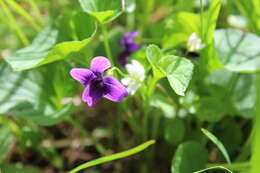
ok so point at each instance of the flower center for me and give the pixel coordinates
(98, 83)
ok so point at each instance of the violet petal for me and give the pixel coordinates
(99, 64)
(83, 76)
(133, 47)
(131, 35)
(115, 91)
(91, 95)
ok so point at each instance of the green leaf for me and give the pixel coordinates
(209, 26)
(18, 168)
(47, 48)
(104, 10)
(189, 157)
(178, 70)
(211, 20)
(6, 139)
(238, 51)
(215, 140)
(153, 55)
(112, 157)
(179, 27)
(23, 94)
(236, 90)
(174, 130)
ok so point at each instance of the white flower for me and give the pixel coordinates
(194, 43)
(237, 21)
(137, 75)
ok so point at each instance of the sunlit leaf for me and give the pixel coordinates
(104, 10)
(47, 48)
(178, 70)
(238, 51)
(153, 55)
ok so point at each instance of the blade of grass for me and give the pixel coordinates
(256, 132)
(113, 156)
(23, 13)
(13, 24)
(36, 11)
(215, 140)
(214, 167)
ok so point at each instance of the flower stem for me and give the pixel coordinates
(201, 20)
(106, 42)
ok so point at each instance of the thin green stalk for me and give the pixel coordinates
(36, 11)
(130, 21)
(201, 19)
(256, 131)
(239, 166)
(13, 23)
(112, 157)
(214, 167)
(85, 133)
(147, 11)
(106, 42)
(23, 13)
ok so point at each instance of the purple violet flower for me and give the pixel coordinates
(98, 86)
(129, 46)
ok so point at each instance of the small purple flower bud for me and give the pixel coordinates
(129, 46)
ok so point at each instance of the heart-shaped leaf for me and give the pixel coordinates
(178, 70)
(238, 51)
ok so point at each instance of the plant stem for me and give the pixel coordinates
(85, 133)
(256, 130)
(147, 12)
(201, 19)
(130, 21)
(106, 42)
